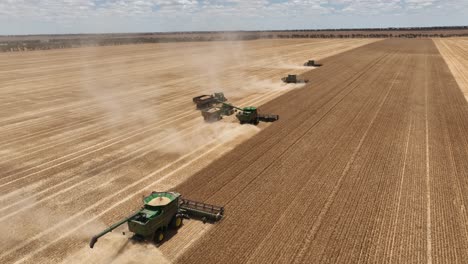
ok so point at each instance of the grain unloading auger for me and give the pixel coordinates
(160, 212)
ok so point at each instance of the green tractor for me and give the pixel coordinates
(163, 211)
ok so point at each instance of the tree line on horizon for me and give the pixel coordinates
(45, 42)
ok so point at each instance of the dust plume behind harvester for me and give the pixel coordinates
(163, 211)
(214, 110)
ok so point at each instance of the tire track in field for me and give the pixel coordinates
(428, 181)
(79, 123)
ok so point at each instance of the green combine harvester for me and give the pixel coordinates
(312, 63)
(160, 212)
(292, 78)
(250, 115)
(246, 115)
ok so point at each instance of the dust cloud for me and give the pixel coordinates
(123, 101)
(18, 229)
(117, 248)
(219, 132)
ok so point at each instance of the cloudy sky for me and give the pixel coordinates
(96, 16)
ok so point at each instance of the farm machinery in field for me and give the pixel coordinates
(312, 63)
(163, 211)
(246, 115)
(216, 113)
(250, 115)
(207, 101)
(292, 78)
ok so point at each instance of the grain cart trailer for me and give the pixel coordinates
(160, 212)
(206, 101)
(216, 113)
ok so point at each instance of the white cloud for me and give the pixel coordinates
(163, 15)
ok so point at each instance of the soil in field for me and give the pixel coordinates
(85, 133)
(368, 166)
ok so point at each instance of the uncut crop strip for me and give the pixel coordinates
(455, 53)
(266, 176)
(360, 222)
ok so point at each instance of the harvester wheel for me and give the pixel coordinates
(158, 236)
(177, 222)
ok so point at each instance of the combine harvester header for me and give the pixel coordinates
(161, 211)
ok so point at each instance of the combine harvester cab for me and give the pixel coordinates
(312, 63)
(160, 212)
(292, 78)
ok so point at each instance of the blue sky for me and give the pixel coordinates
(107, 16)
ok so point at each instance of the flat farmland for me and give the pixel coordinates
(455, 52)
(86, 132)
(365, 166)
(367, 163)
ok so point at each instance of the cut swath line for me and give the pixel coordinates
(68, 126)
(395, 222)
(164, 142)
(428, 182)
(122, 138)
